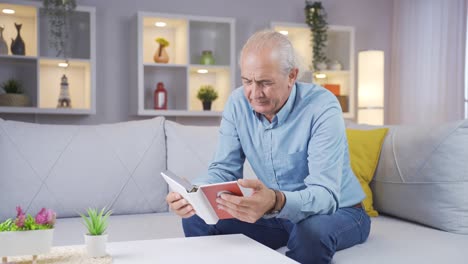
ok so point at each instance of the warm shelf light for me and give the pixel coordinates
(160, 24)
(202, 71)
(371, 87)
(8, 11)
(63, 64)
(320, 75)
(284, 32)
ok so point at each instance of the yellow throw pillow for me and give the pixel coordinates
(364, 151)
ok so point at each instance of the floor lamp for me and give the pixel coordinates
(371, 87)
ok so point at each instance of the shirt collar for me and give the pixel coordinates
(283, 113)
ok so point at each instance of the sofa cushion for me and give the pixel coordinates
(394, 241)
(190, 149)
(364, 152)
(69, 168)
(423, 175)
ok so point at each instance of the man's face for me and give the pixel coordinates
(265, 86)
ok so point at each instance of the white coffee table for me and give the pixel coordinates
(225, 249)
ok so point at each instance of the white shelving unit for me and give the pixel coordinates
(188, 36)
(340, 47)
(38, 70)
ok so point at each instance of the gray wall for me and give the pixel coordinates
(372, 20)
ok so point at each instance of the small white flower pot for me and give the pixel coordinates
(96, 245)
(321, 66)
(21, 243)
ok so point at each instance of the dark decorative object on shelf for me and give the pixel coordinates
(13, 95)
(207, 58)
(59, 13)
(316, 20)
(207, 95)
(3, 44)
(160, 97)
(64, 100)
(17, 45)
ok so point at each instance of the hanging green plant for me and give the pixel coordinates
(58, 14)
(316, 19)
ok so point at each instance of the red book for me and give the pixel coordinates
(212, 192)
(334, 88)
(203, 198)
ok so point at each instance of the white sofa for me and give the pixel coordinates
(420, 186)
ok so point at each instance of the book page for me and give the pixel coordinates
(196, 199)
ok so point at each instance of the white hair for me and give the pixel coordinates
(288, 58)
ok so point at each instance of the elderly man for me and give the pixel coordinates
(293, 135)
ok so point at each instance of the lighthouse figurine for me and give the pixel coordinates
(64, 100)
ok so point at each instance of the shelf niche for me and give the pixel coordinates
(78, 75)
(78, 44)
(175, 32)
(25, 15)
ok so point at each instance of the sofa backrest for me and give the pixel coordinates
(190, 149)
(69, 168)
(422, 175)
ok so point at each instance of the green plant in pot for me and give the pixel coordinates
(96, 222)
(207, 94)
(13, 94)
(316, 19)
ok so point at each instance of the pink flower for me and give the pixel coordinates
(45, 216)
(20, 217)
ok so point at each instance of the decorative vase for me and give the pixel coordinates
(335, 65)
(207, 58)
(96, 245)
(9, 99)
(206, 106)
(20, 243)
(160, 55)
(17, 45)
(3, 44)
(321, 66)
(160, 97)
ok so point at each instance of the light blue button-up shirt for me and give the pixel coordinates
(303, 152)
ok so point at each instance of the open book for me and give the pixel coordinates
(203, 198)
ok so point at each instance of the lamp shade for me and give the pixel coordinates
(371, 87)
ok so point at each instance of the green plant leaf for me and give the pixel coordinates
(97, 220)
(207, 93)
(12, 86)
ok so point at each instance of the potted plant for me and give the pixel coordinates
(161, 55)
(207, 94)
(13, 94)
(27, 235)
(96, 222)
(316, 20)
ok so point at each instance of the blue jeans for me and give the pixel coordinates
(312, 240)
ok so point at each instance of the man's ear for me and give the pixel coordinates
(293, 76)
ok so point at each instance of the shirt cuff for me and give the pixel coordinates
(292, 207)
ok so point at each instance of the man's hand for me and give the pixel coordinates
(179, 205)
(248, 209)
